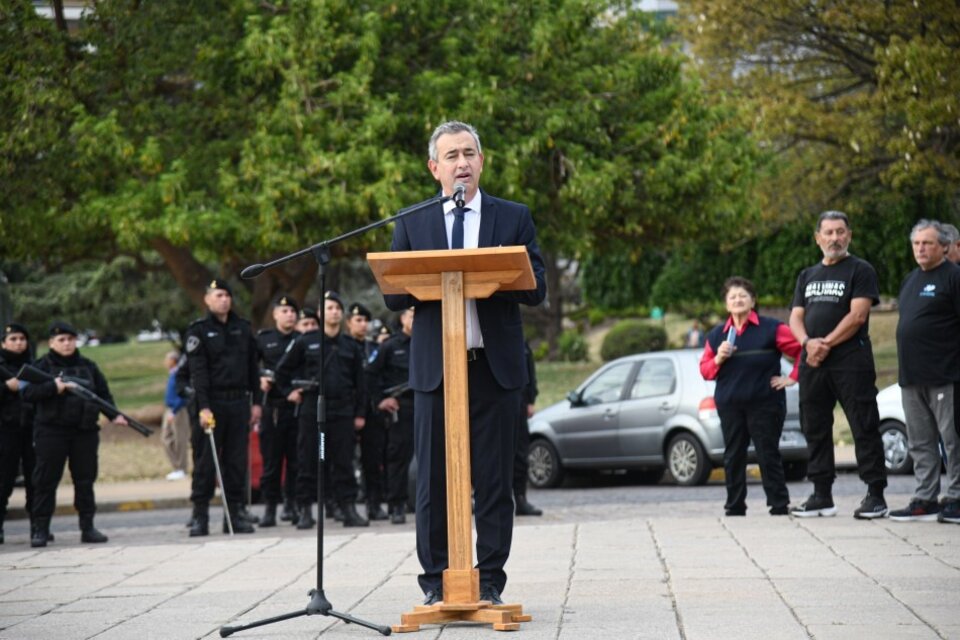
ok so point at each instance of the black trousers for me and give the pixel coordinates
(762, 423)
(520, 463)
(820, 390)
(16, 449)
(373, 445)
(340, 439)
(399, 455)
(493, 423)
(54, 448)
(232, 438)
(279, 430)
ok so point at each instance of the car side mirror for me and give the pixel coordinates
(574, 398)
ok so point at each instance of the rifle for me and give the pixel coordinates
(396, 391)
(29, 373)
(304, 384)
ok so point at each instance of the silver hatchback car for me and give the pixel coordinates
(645, 413)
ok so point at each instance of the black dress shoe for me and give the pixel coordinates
(524, 508)
(240, 525)
(735, 512)
(780, 511)
(92, 536)
(38, 538)
(491, 594)
(351, 518)
(434, 596)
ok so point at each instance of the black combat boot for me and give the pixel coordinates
(39, 534)
(245, 514)
(200, 525)
(239, 522)
(88, 532)
(305, 517)
(524, 508)
(289, 511)
(397, 514)
(376, 512)
(269, 518)
(334, 511)
(350, 516)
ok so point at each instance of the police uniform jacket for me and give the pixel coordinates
(223, 359)
(14, 412)
(67, 410)
(391, 368)
(271, 345)
(344, 387)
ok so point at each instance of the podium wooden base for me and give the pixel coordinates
(503, 617)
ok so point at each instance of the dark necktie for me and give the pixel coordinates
(456, 237)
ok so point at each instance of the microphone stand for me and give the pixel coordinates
(321, 252)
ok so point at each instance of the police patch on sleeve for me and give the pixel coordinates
(192, 343)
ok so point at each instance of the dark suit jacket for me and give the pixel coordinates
(502, 223)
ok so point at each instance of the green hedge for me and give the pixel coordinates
(632, 336)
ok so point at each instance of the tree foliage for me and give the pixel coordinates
(854, 95)
(215, 134)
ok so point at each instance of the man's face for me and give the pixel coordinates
(833, 238)
(358, 325)
(285, 318)
(333, 313)
(218, 301)
(64, 344)
(927, 250)
(406, 321)
(307, 324)
(458, 160)
(953, 255)
(15, 343)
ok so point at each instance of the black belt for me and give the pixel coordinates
(229, 394)
(474, 354)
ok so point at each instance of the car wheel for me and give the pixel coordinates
(794, 471)
(896, 453)
(687, 461)
(544, 469)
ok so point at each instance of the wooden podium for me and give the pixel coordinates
(453, 276)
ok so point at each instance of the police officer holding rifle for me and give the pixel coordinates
(66, 429)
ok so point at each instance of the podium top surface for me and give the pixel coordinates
(509, 267)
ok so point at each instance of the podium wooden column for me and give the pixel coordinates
(453, 276)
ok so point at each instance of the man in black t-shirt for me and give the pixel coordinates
(929, 355)
(830, 318)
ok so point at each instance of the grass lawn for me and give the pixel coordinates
(137, 379)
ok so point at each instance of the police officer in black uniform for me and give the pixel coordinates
(222, 356)
(278, 426)
(373, 436)
(389, 374)
(16, 418)
(66, 429)
(345, 395)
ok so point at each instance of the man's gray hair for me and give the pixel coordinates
(942, 236)
(452, 126)
(951, 232)
(833, 215)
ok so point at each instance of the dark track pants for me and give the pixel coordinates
(820, 390)
(16, 449)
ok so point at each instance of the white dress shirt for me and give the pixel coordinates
(471, 240)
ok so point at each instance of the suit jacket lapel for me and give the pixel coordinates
(488, 220)
(437, 227)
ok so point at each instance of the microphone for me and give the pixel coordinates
(459, 190)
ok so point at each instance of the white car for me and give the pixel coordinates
(893, 431)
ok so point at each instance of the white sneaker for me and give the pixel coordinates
(178, 474)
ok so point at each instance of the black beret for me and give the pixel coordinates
(219, 283)
(60, 327)
(385, 330)
(357, 309)
(285, 301)
(333, 295)
(307, 312)
(15, 327)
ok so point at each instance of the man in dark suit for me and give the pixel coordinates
(496, 369)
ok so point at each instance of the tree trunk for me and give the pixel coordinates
(554, 303)
(190, 274)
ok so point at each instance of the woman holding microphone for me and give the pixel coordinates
(743, 355)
